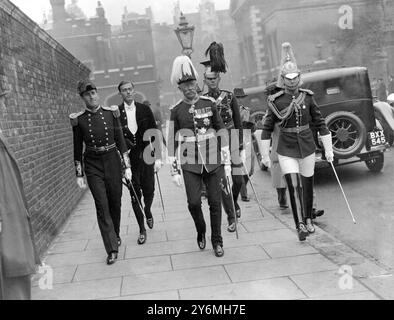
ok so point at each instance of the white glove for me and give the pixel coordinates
(265, 153)
(227, 173)
(158, 165)
(242, 156)
(177, 180)
(127, 174)
(225, 155)
(327, 143)
(81, 183)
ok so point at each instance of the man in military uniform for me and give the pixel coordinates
(295, 110)
(145, 156)
(100, 129)
(195, 121)
(228, 109)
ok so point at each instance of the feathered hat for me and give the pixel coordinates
(216, 62)
(183, 70)
(288, 64)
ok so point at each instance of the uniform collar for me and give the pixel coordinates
(93, 111)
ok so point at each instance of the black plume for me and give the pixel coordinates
(216, 55)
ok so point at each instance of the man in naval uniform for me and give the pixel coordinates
(228, 109)
(143, 141)
(100, 130)
(295, 111)
(195, 122)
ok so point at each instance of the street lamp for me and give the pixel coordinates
(185, 34)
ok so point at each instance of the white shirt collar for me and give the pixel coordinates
(131, 106)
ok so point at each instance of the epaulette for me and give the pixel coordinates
(310, 92)
(207, 98)
(272, 97)
(74, 118)
(114, 109)
(175, 105)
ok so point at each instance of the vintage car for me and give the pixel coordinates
(345, 100)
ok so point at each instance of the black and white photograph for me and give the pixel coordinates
(197, 156)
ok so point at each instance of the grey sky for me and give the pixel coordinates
(162, 9)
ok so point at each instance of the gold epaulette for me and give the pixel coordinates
(272, 97)
(207, 98)
(310, 92)
(114, 109)
(74, 118)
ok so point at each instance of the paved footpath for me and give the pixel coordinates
(266, 262)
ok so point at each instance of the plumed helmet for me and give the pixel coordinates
(183, 70)
(288, 64)
(216, 63)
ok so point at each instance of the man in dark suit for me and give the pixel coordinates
(144, 143)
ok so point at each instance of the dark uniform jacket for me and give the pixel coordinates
(199, 127)
(296, 138)
(145, 121)
(228, 109)
(18, 255)
(98, 130)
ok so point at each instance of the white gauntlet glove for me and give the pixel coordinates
(81, 183)
(327, 143)
(265, 153)
(175, 172)
(242, 156)
(158, 165)
(127, 174)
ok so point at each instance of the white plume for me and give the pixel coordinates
(182, 66)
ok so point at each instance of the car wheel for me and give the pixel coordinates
(376, 164)
(348, 134)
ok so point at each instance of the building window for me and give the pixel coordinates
(120, 58)
(140, 55)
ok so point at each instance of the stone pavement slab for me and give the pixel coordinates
(270, 289)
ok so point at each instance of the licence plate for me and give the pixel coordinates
(376, 138)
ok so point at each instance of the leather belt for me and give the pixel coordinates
(295, 129)
(200, 137)
(101, 149)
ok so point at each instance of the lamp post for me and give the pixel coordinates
(185, 34)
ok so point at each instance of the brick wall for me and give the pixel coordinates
(42, 77)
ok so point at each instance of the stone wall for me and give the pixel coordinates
(41, 76)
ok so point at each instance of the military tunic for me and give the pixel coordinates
(194, 132)
(102, 135)
(295, 116)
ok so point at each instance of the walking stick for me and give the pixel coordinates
(343, 192)
(161, 195)
(130, 186)
(254, 190)
(232, 202)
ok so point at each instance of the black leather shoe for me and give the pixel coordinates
(245, 199)
(231, 227)
(142, 238)
(112, 257)
(302, 232)
(119, 241)
(149, 222)
(201, 241)
(219, 252)
(317, 213)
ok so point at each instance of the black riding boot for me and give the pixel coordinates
(296, 203)
(307, 185)
(282, 199)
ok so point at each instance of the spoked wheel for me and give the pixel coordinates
(348, 134)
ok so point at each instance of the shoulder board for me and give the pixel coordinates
(276, 95)
(114, 109)
(176, 104)
(310, 92)
(207, 98)
(74, 118)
